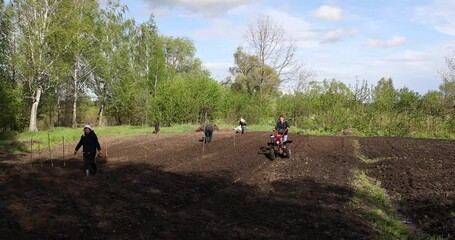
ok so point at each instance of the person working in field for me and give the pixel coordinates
(242, 125)
(282, 127)
(208, 132)
(89, 142)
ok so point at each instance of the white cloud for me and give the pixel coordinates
(329, 13)
(418, 70)
(337, 35)
(415, 58)
(440, 15)
(303, 32)
(393, 42)
(219, 70)
(210, 8)
(220, 28)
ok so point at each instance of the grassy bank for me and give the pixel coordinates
(376, 207)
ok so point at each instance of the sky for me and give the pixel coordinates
(346, 40)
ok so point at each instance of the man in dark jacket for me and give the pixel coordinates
(282, 126)
(89, 142)
(208, 132)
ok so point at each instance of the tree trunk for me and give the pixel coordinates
(75, 88)
(154, 85)
(100, 113)
(34, 111)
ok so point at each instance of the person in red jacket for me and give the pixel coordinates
(89, 142)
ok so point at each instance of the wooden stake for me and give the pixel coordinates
(203, 148)
(63, 139)
(39, 155)
(49, 147)
(31, 150)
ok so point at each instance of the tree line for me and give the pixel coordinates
(65, 62)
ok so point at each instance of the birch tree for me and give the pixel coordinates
(33, 56)
(79, 30)
(109, 30)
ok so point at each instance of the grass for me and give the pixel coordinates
(375, 205)
(359, 155)
(19, 142)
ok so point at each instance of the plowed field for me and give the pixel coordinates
(172, 186)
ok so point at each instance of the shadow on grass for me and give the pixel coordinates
(145, 202)
(9, 145)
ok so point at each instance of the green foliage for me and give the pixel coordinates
(252, 77)
(12, 116)
(332, 106)
(254, 108)
(190, 100)
(384, 95)
(95, 57)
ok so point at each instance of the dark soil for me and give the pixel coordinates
(172, 186)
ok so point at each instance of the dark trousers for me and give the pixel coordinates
(208, 135)
(89, 162)
(243, 129)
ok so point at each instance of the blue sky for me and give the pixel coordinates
(407, 40)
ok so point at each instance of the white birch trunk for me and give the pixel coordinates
(100, 114)
(33, 126)
(75, 86)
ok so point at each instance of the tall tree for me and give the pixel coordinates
(447, 87)
(34, 58)
(384, 95)
(180, 56)
(267, 41)
(78, 29)
(109, 32)
(249, 74)
(10, 92)
(151, 61)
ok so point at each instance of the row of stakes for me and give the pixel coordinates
(50, 152)
(63, 150)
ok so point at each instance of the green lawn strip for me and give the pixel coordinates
(375, 206)
(20, 142)
(363, 158)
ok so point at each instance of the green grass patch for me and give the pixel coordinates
(9, 142)
(20, 142)
(375, 205)
(358, 154)
(370, 190)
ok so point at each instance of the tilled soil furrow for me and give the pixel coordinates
(165, 187)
